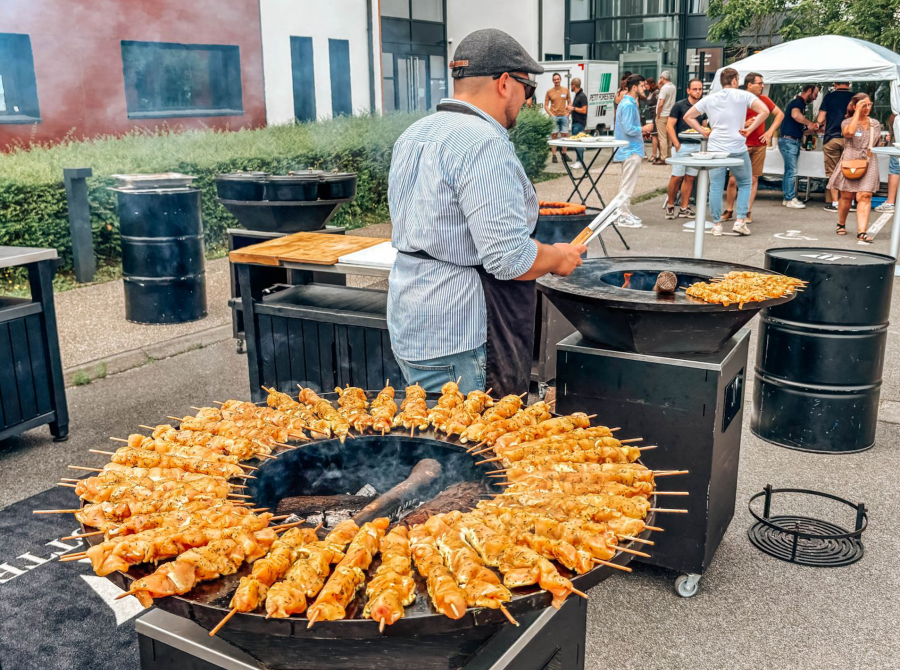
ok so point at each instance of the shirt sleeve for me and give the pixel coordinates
(700, 105)
(490, 195)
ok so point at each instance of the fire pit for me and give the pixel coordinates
(611, 301)
(422, 639)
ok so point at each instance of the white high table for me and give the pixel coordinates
(895, 230)
(694, 138)
(702, 166)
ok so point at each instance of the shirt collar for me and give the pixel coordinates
(480, 113)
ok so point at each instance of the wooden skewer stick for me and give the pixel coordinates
(140, 425)
(455, 611)
(670, 493)
(663, 509)
(71, 486)
(494, 472)
(249, 467)
(118, 439)
(591, 416)
(381, 626)
(632, 551)
(631, 538)
(219, 625)
(218, 402)
(266, 509)
(69, 479)
(285, 526)
(239, 495)
(656, 528)
(80, 535)
(55, 511)
(509, 617)
(123, 595)
(623, 568)
(105, 453)
(633, 439)
(490, 460)
(666, 473)
(81, 467)
(615, 430)
(72, 557)
(312, 621)
(179, 419)
(652, 446)
(579, 593)
(248, 477)
(522, 395)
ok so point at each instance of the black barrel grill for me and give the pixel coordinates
(423, 639)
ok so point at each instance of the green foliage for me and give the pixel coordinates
(81, 378)
(33, 209)
(530, 134)
(752, 21)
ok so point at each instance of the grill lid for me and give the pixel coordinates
(160, 180)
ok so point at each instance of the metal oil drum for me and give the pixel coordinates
(820, 356)
(163, 263)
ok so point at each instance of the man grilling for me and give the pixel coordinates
(461, 299)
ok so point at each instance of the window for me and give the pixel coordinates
(579, 10)
(438, 79)
(396, 8)
(580, 51)
(18, 88)
(339, 62)
(428, 10)
(164, 79)
(553, 57)
(304, 78)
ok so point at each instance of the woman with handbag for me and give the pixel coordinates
(858, 176)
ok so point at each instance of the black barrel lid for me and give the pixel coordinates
(824, 256)
(244, 176)
(338, 176)
(298, 177)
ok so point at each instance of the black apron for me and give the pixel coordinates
(510, 307)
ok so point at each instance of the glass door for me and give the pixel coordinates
(412, 83)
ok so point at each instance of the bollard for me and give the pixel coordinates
(80, 223)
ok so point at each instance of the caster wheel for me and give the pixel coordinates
(241, 347)
(687, 586)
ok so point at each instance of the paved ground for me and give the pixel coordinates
(752, 612)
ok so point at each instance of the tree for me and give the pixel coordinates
(755, 22)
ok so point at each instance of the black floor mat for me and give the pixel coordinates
(57, 616)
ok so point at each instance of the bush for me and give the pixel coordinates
(33, 209)
(530, 136)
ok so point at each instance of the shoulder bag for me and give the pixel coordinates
(856, 168)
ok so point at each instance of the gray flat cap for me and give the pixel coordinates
(491, 51)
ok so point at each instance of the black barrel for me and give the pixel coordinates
(820, 356)
(162, 255)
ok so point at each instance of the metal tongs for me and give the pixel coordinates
(602, 221)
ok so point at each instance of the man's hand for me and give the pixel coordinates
(766, 137)
(705, 132)
(677, 145)
(647, 128)
(744, 132)
(568, 258)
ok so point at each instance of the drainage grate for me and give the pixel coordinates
(804, 540)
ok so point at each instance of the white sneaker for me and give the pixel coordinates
(717, 230)
(793, 204)
(740, 227)
(576, 165)
(885, 207)
(629, 222)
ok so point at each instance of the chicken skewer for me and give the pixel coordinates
(413, 410)
(123, 489)
(487, 432)
(349, 575)
(579, 485)
(160, 446)
(555, 426)
(339, 426)
(150, 459)
(383, 409)
(450, 399)
(242, 442)
(239, 412)
(468, 413)
(227, 428)
(354, 404)
(306, 576)
(392, 587)
(446, 595)
(285, 403)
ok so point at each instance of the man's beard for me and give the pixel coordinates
(511, 114)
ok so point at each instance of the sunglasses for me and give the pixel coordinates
(529, 84)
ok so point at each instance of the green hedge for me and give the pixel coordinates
(33, 208)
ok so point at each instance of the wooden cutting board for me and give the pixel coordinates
(314, 248)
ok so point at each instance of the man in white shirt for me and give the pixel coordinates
(727, 114)
(667, 95)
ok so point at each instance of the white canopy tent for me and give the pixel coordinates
(827, 58)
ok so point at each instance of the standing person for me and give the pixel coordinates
(667, 95)
(727, 114)
(578, 109)
(649, 116)
(683, 176)
(628, 128)
(757, 141)
(461, 296)
(622, 90)
(861, 133)
(792, 129)
(556, 103)
(832, 113)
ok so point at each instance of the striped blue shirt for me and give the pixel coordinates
(458, 192)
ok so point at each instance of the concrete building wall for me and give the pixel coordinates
(554, 28)
(78, 68)
(519, 18)
(336, 19)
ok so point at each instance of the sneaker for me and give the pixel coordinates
(670, 213)
(885, 207)
(629, 222)
(831, 207)
(740, 227)
(555, 159)
(566, 158)
(576, 165)
(686, 213)
(717, 230)
(793, 204)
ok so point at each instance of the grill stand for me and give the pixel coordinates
(545, 639)
(691, 406)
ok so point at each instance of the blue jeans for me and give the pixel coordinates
(790, 153)
(743, 174)
(432, 374)
(577, 128)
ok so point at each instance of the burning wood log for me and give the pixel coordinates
(425, 473)
(459, 496)
(306, 505)
(666, 282)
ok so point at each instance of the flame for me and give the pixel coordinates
(627, 279)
